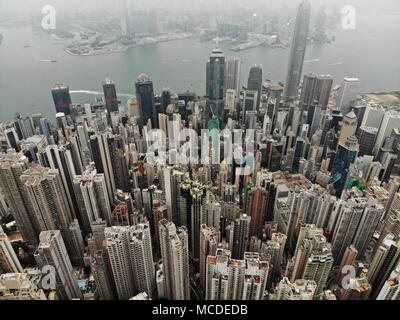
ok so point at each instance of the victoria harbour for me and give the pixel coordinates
(203, 150)
(369, 53)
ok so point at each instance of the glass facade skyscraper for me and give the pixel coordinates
(61, 98)
(298, 50)
(346, 154)
(215, 84)
(145, 97)
(110, 96)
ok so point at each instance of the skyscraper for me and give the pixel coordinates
(349, 90)
(215, 83)
(47, 202)
(235, 279)
(133, 108)
(172, 180)
(117, 243)
(391, 288)
(61, 157)
(96, 239)
(145, 98)
(302, 253)
(141, 252)
(230, 101)
(373, 116)
(367, 137)
(224, 276)
(12, 138)
(232, 81)
(192, 198)
(61, 98)
(348, 259)
(101, 155)
(175, 258)
(345, 155)
(250, 99)
(159, 212)
(299, 151)
(368, 225)
(315, 90)
(383, 263)
(390, 121)
(297, 50)
(4, 207)
(256, 208)
(165, 99)
(52, 252)
(209, 239)
(102, 275)
(12, 165)
(241, 236)
(255, 277)
(110, 96)
(349, 126)
(255, 82)
(391, 225)
(9, 262)
(319, 263)
(349, 214)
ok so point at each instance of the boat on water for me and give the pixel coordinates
(53, 60)
(27, 46)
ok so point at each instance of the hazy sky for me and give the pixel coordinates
(370, 6)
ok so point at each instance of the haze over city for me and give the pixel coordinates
(200, 150)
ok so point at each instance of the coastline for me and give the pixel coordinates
(125, 48)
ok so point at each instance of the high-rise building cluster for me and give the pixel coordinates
(293, 193)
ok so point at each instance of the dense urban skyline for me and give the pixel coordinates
(257, 190)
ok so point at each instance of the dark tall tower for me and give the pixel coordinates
(256, 207)
(298, 153)
(165, 99)
(215, 84)
(346, 154)
(145, 98)
(110, 96)
(315, 90)
(232, 79)
(297, 50)
(241, 236)
(62, 98)
(255, 82)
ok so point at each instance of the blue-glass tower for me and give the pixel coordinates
(215, 84)
(145, 98)
(346, 154)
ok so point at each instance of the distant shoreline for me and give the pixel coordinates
(124, 48)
